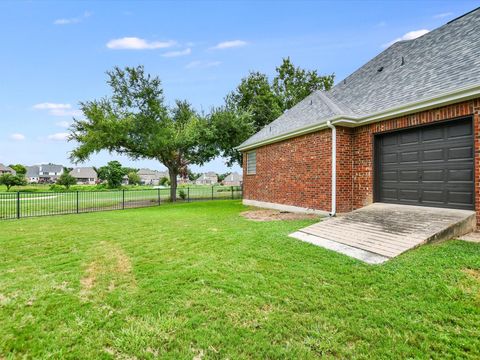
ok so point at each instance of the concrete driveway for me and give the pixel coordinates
(379, 232)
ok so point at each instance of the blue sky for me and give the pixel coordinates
(55, 54)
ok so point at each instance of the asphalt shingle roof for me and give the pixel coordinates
(84, 173)
(439, 62)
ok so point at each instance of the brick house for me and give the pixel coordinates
(404, 128)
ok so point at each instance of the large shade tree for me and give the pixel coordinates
(135, 121)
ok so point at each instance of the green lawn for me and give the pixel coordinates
(198, 281)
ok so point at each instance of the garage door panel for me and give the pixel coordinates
(433, 175)
(460, 153)
(433, 196)
(460, 198)
(431, 166)
(434, 155)
(389, 158)
(460, 175)
(410, 156)
(408, 175)
(459, 130)
(433, 134)
(408, 194)
(390, 175)
(390, 194)
(409, 137)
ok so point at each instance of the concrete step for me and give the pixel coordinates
(380, 231)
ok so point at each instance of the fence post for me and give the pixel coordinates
(158, 190)
(123, 199)
(18, 204)
(232, 191)
(77, 203)
(212, 192)
(188, 193)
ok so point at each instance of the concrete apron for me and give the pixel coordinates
(379, 232)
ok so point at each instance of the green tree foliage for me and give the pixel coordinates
(255, 95)
(66, 180)
(257, 101)
(10, 180)
(112, 173)
(292, 84)
(232, 127)
(19, 169)
(222, 177)
(192, 176)
(164, 181)
(133, 178)
(135, 121)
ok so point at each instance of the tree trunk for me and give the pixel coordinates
(173, 185)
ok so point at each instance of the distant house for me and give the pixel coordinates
(85, 175)
(208, 178)
(183, 180)
(7, 170)
(33, 174)
(233, 179)
(49, 173)
(151, 177)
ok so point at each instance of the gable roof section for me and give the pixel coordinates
(51, 168)
(32, 171)
(407, 77)
(7, 168)
(84, 173)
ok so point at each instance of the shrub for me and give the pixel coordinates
(182, 194)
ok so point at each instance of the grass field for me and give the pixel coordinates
(193, 281)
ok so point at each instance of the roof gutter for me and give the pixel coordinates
(354, 121)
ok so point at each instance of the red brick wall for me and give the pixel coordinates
(293, 172)
(298, 171)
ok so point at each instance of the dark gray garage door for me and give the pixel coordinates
(430, 166)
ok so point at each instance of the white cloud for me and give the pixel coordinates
(135, 43)
(63, 124)
(56, 109)
(51, 106)
(17, 137)
(202, 64)
(229, 44)
(75, 20)
(58, 136)
(63, 112)
(185, 52)
(408, 36)
(442, 15)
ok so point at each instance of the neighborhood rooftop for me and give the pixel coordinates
(441, 62)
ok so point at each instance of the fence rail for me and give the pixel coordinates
(16, 205)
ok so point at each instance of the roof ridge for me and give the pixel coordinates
(330, 103)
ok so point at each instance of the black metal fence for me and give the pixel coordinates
(16, 205)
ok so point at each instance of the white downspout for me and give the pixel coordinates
(334, 168)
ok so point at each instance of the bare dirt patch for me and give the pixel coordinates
(275, 215)
(110, 269)
(473, 273)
